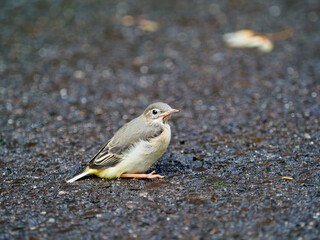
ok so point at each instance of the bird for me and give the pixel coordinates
(134, 147)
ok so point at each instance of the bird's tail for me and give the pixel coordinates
(85, 173)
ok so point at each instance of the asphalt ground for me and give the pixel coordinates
(243, 162)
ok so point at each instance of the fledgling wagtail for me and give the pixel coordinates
(134, 147)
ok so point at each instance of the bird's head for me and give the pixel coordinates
(159, 112)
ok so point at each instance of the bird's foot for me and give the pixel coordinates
(141, 175)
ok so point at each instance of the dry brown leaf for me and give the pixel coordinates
(280, 36)
(127, 21)
(214, 230)
(148, 26)
(287, 178)
(248, 39)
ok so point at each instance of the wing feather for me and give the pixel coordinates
(104, 159)
(111, 154)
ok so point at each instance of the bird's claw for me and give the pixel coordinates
(152, 175)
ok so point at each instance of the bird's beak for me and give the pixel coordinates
(168, 113)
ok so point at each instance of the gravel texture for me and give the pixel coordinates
(243, 162)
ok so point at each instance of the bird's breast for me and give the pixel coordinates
(146, 152)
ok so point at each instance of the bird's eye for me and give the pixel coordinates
(154, 112)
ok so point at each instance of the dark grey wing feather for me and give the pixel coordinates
(104, 159)
(128, 135)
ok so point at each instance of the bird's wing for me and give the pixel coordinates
(104, 159)
(128, 135)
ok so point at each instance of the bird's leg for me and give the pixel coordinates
(141, 175)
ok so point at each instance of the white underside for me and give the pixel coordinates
(141, 156)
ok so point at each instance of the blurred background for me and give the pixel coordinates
(73, 72)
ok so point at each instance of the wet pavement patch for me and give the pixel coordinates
(243, 162)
